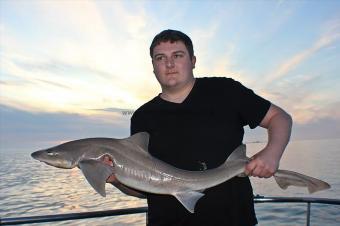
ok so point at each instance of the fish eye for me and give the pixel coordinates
(51, 153)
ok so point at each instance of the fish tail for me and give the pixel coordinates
(286, 178)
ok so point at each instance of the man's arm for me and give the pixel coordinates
(126, 190)
(278, 124)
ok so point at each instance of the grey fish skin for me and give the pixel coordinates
(136, 168)
(285, 178)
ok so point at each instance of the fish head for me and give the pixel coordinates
(58, 156)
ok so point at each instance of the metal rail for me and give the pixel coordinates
(70, 216)
(308, 201)
(119, 212)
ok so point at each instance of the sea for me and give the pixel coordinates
(31, 188)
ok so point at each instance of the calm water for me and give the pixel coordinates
(28, 187)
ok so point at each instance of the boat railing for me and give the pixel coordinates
(137, 210)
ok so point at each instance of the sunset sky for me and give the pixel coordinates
(69, 68)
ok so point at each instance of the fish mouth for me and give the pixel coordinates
(36, 155)
(48, 159)
(39, 155)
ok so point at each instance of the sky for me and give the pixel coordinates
(71, 69)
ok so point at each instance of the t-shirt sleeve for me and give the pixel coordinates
(252, 108)
(137, 123)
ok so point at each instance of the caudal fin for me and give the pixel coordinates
(286, 178)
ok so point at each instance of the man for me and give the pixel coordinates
(195, 124)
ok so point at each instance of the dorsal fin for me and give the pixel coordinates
(238, 154)
(141, 139)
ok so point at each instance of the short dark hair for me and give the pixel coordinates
(172, 36)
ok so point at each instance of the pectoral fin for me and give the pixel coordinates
(96, 173)
(188, 199)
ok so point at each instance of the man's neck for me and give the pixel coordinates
(178, 94)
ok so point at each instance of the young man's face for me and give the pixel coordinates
(172, 64)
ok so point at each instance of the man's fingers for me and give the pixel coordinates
(107, 160)
(111, 179)
(258, 171)
(257, 168)
(250, 168)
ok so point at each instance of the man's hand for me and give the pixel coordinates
(111, 179)
(262, 164)
(266, 162)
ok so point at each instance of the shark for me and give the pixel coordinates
(134, 167)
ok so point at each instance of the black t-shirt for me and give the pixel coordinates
(200, 133)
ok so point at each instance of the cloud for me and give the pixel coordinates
(308, 97)
(322, 128)
(112, 109)
(331, 35)
(331, 110)
(91, 57)
(26, 130)
(214, 58)
(84, 61)
(325, 127)
(30, 131)
(308, 93)
(56, 67)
